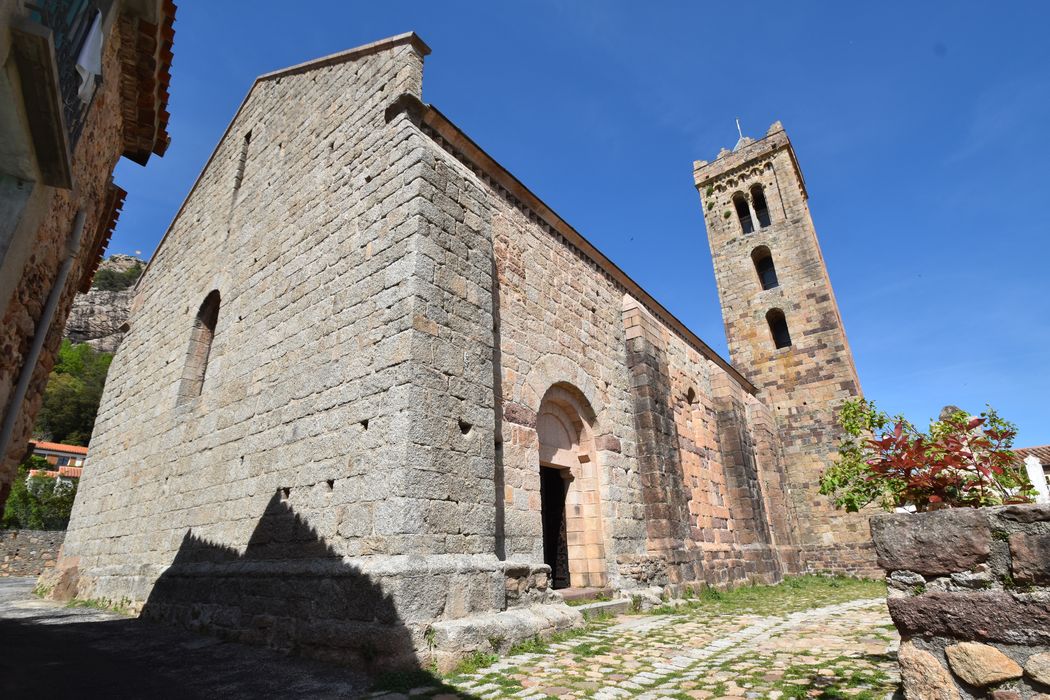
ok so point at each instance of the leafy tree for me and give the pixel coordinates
(39, 502)
(72, 395)
(962, 460)
(114, 280)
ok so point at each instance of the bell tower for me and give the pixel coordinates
(784, 329)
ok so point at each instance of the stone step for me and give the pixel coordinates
(609, 607)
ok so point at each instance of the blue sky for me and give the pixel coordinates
(920, 128)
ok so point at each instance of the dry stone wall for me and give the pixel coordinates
(969, 592)
(28, 552)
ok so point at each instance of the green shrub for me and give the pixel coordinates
(72, 394)
(39, 502)
(115, 281)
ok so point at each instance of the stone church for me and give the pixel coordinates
(379, 403)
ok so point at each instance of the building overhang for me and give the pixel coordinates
(33, 49)
(147, 36)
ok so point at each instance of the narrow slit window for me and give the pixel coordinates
(239, 176)
(743, 213)
(778, 328)
(767, 272)
(758, 199)
(200, 348)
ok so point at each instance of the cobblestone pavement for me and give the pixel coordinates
(835, 651)
(838, 651)
(48, 650)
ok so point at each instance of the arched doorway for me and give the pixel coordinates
(570, 500)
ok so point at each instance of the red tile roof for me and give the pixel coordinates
(59, 447)
(111, 212)
(1042, 453)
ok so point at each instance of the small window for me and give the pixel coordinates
(758, 199)
(63, 461)
(239, 176)
(767, 272)
(743, 213)
(200, 348)
(778, 328)
(690, 396)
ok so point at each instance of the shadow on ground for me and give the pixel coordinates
(288, 595)
(49, 651)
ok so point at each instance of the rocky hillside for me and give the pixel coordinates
(97, 316)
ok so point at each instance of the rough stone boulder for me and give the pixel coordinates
(1030, 557)
(96, 318)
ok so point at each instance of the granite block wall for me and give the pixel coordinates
(667, 511)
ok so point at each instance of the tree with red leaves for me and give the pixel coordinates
(962, 461)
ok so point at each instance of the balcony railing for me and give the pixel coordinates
(70, 22)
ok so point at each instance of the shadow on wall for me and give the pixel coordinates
(288, 591)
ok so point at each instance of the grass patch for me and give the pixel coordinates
(122, 606)
(793, 594)
(539, 645)
(474, 663)
(591, 649)
(805, 681)
(42, 591)
(404, 681)
(600, 597)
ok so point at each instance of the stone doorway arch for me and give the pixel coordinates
(570, 485)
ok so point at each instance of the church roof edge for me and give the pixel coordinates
(350, 55)
(472, 152)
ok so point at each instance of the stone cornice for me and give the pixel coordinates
(705, 173)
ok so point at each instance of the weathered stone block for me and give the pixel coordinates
(1030, 557)
(981, 665)
(1027, 513)
(932, 544)
(923, 676)
(992, 616)
(1038, 667)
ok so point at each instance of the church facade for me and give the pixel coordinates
(378, 402)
